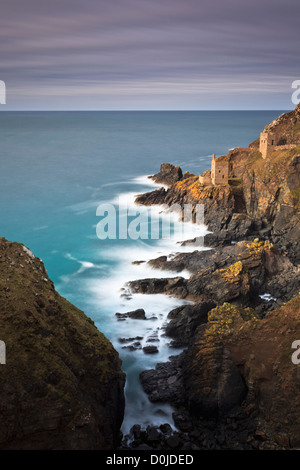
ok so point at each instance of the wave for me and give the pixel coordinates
(145, 180)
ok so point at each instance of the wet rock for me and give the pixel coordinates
(184, 321)
(129, 340)
(162, 263)
(150, 349)
(164, 383)
(153, 340)
(165, 428)
(175, 286)
(173, 442)
(138, 314)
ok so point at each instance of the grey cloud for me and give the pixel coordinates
(48, 44)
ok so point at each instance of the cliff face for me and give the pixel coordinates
(62, 384)
(271, 187)
(287, 127)
(236, 352)
(271, 191)
(219, 201)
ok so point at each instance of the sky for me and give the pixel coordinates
(149, 54)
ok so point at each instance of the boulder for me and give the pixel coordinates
(138, 314)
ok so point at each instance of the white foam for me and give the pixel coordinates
(267, 297)
(83, 207)
(145, 180)
(42, 227)
(84, 264)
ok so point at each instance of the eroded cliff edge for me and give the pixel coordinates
(62, 384)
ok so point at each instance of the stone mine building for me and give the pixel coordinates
(218, 174)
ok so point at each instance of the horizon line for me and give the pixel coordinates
(140, 110)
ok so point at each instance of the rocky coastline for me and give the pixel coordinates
(234, 386)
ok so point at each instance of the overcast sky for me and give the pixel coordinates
(149, 54)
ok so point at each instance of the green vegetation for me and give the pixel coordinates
(223, 319)
(47, 338)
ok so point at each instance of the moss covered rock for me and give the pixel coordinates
(62, 384)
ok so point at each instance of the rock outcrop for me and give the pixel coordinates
(241, 273)
(62, 384)
(168, 174)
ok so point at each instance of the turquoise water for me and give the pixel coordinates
(57, 167)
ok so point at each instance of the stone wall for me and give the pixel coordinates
(219, 172)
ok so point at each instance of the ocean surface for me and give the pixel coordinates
(57, 168)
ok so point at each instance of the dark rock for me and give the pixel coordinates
(138, 314)
(153, 340)
(214, 386)
(175, 286)
(153, 197)
(163, 263)
(150, 349)
(184, 321)
(173, 442)
(168, 174)
(153, 434)
(260, 268)
(143, 447)
(129, 340)
(165, 428)
(164, 383)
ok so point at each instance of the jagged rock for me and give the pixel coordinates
(184, 321)
(150, 349)
(168, 174)
(153, 197)
(177, 286)
(261, 268)
(129, 340)
(213, 383)
(164, 384)
(162, 261)
(138, 314)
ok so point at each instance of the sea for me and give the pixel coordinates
(64, 173)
